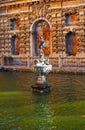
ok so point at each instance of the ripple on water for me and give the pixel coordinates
(21, 109)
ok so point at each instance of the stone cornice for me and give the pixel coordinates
(15, 2)
(3, 14)
(68, 6)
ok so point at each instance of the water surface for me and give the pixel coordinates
(62, 109)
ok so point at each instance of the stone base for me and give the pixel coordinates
(41, 88)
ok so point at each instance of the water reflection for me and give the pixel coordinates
(20, 109)
(68, 87)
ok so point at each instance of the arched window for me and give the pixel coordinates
(15, 45)
(71, 44)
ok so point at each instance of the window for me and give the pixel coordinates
(14, 24)
(71, 44)
(70, 19)
(15, 45)
(84, 32)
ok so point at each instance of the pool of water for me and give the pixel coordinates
(62, 109)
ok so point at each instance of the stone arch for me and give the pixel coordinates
(71, 43)
(40, 28)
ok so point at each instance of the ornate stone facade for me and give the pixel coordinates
(60, 22)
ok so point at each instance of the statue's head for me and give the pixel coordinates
(41, 38)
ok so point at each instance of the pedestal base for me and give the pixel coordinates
(41, 88)
(41, 85)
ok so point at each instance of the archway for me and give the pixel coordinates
(40, 29)
(71, 44)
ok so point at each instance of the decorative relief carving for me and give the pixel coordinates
(40, 10)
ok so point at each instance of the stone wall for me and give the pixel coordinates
(53, 12)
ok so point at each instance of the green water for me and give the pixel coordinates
(62, 109)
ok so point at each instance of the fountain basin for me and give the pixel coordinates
(43, 69)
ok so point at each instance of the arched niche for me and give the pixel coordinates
(41, 28)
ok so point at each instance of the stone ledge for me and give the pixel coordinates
(63, 70)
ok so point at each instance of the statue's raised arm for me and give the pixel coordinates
(42, 42)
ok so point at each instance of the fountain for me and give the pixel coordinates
(42, 67)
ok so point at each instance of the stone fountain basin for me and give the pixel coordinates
(43, 68)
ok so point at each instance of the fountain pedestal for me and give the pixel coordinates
(42, 68)
(41, 85)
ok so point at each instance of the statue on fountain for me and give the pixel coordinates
(42, 68)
